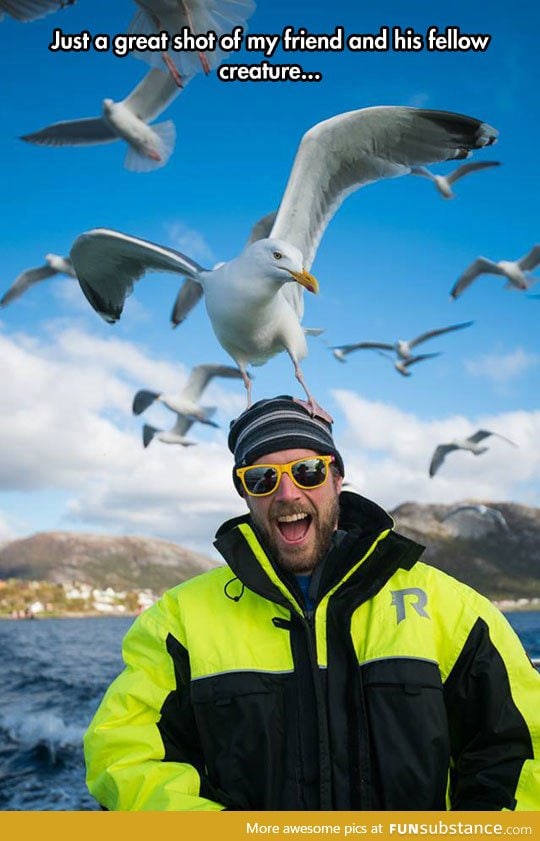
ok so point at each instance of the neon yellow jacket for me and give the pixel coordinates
(404, 690)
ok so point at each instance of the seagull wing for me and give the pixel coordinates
(152, 95)
(24, 281)
(108, 263)
(27, 10)
(473, 166)
(182, 425)
(439, 456)
(262, 228)
(189, 295)
(419, 358)
(431, 333)
(531, 260)
(363, 346)
(86, 132)
(201, 376)
(142, 400)
(485, 433)
(421, 170)
(343, 153)
(478, 267)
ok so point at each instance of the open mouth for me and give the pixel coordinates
(293, 527)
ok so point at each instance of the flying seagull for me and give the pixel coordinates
(186, 403)
(54, 264)
(176, 435)
(27, 10)
(149, 147)
(483, 511)
(516, 272)
(255, 301)
(197, 16)
(402, 348)
(443, 182)
(471, 443)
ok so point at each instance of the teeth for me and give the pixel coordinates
(291, 518)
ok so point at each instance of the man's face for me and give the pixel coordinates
(297, 524)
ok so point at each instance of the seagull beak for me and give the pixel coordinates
(306, 280)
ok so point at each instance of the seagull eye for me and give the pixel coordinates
(278, 255)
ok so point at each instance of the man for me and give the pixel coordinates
(323, 667)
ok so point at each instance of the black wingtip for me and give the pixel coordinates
(148, 433)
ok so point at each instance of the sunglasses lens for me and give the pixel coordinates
(309, 472)
(260, 480)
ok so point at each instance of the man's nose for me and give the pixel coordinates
(287, 490)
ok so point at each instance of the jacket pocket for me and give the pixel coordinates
(409, 737)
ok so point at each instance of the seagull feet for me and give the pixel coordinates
(204, 63)
(312, 406)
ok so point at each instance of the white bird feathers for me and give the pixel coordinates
(254, 307)
(516, 272)
(28, 10)
(54, 265)
(185, 404)
(149, 147)
(472, 444)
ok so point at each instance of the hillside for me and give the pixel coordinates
(500, 563)
(102, 561)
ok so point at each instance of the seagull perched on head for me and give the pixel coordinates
(483, 511)
(516, 272)
(150, 147)
(472, 443)
(54, 264)
(402, 348)
(27, 10)
(197, 16)
(255, 301)
(443, 182)
(186, 403)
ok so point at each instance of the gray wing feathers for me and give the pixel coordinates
(201, 376)
(189, 295)
(24, 281)
(431, 333)
(108, 263)
(473, 166)
(262, 228)
(531, 260)
(345, 152)
(84, 132)
(152, 95)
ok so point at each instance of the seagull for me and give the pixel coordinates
(197, 16)
(471, 443)
(185, 404)
(255, 301)
(443, 182)
(54, 264)
(484, 511)
(149, 147)
(27, 10)
(516, 272)
(402, 348)
(176, 435)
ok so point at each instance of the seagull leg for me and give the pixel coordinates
(247, 382)
(202, 58)
(316, 410)
(166, 57)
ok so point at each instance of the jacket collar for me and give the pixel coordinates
(364, 522)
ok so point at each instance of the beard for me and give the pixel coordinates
(302, 558)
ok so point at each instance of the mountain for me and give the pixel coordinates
(498, 557)
(122, 563)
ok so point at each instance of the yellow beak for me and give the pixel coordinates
(306, 280)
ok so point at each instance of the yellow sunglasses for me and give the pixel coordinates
(264, 479)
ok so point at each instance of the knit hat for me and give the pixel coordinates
(279, 423)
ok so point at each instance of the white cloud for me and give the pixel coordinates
(387, 454)
(502, 368)
(189, 241)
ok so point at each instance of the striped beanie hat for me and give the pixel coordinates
(279, 423)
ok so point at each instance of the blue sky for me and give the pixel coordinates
(73, 457)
